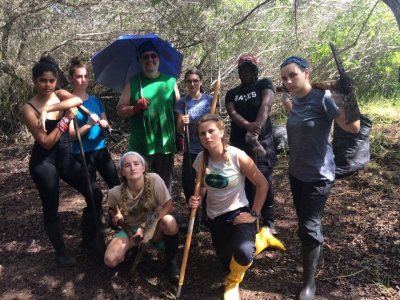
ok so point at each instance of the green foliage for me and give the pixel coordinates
(201, 30)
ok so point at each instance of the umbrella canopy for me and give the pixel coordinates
(116, 63)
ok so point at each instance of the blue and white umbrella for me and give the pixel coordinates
(118, 62)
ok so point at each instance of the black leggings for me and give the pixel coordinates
(233, 240)
(101, 161)
(46, 169)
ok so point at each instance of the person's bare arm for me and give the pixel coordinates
(353, 127)
(47, 140)
(250, 170)
(267, 98)
(64, 104)
(124, 107)
(82, 130)
(176, 90)
(180, 124)
(240, 121)
(286, 102)
(166, 209)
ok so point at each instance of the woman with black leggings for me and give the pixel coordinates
(47, 119)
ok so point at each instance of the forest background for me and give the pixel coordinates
(210, 33)
(362, 217)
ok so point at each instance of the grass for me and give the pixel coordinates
(385, 134)
(381, 110)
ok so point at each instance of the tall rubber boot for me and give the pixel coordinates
(92, 239)
(310, 256)
(321, 260)
(62, 257)
(265, 239)
(171, 249)
(267, 213)
(233, 279)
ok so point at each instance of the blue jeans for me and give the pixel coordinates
(309, 200)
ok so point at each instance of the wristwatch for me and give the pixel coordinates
(254, 214)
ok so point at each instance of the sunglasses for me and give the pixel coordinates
(147, 56)
(195, 81)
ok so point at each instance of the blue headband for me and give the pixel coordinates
(301, 62)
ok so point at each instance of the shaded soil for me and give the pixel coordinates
(362, 249)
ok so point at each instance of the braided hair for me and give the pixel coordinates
(221, 126)
(145, 202)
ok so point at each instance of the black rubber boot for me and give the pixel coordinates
(55, 236)
(92, 238)
(310, 256)
(171, 249)
(268, 216)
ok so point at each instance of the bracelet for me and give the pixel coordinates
(62, 125)
(66, 120)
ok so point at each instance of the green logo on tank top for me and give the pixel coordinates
(216, 181)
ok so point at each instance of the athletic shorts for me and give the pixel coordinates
(157, 245)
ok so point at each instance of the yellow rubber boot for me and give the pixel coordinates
(233, 279)
(265, 239)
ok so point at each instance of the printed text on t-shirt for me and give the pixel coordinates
(245, 97)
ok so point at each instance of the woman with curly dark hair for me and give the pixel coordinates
(47, 119)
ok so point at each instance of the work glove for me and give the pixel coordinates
(345, 84)
(141, 105)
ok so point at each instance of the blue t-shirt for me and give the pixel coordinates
(195, 109)
(94, 138)
(308, 126)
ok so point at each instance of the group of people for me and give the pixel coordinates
(236, 194)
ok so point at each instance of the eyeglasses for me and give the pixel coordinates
(147, 56)
(195, 81)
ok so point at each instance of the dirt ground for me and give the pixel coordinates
(361, 227)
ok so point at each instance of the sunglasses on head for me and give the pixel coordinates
(147, 56)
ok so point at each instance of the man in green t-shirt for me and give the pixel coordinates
(148, 101)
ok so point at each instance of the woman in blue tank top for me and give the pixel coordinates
(91, 129)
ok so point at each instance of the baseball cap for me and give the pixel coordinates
(147, 46)
(249, 58)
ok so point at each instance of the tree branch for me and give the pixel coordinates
(250, 13)
(361, 30)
